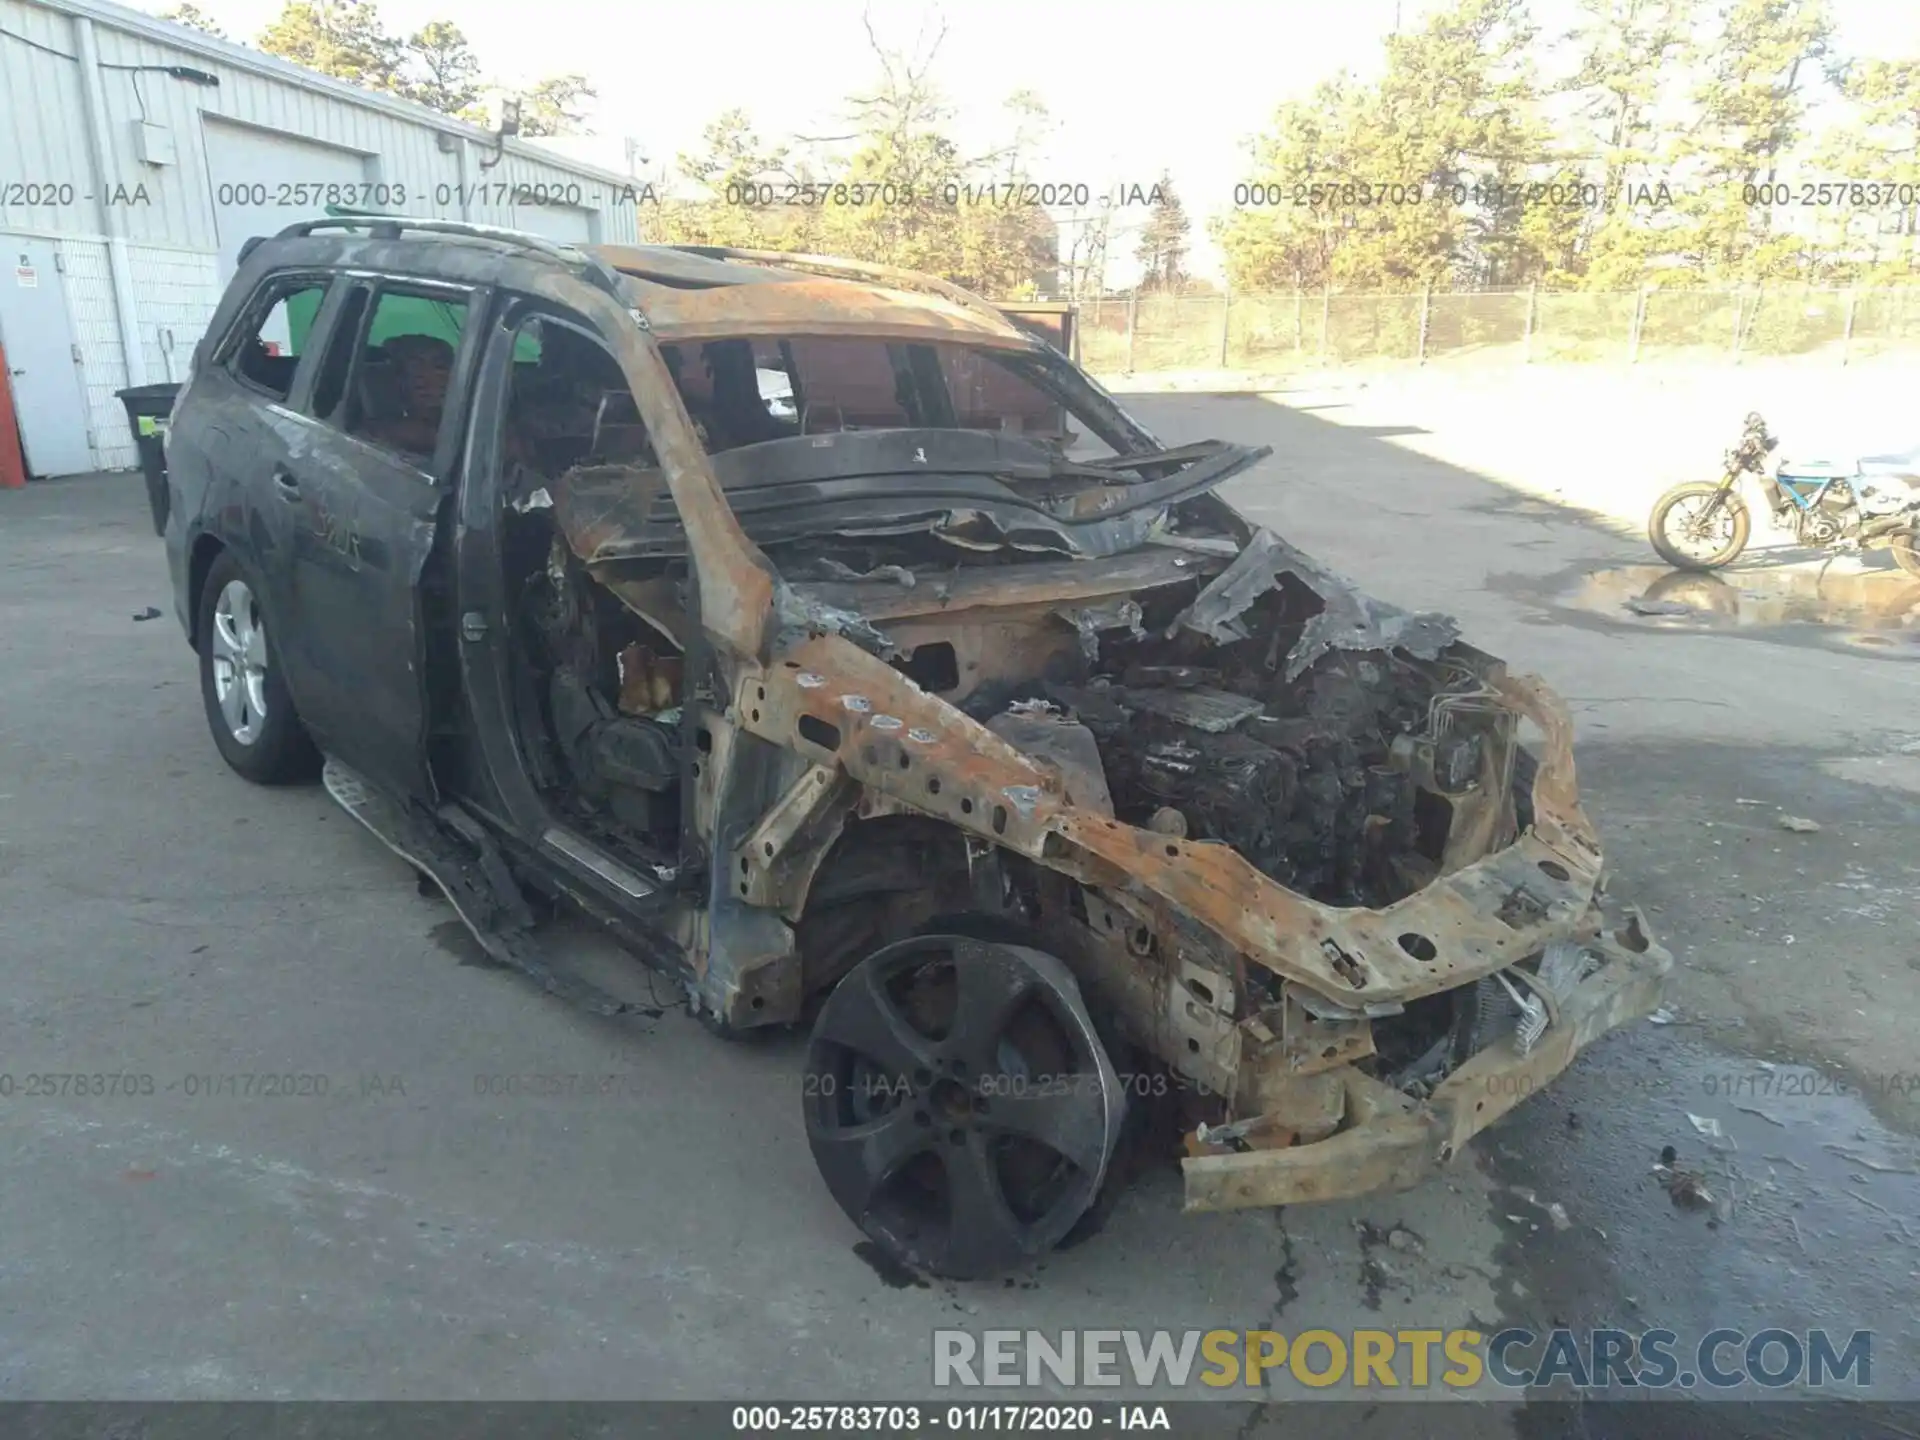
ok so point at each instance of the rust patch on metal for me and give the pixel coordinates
(735, 580)
(795, 302)
(1392, 1143)
(966, 775)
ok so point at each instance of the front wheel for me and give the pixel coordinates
(1699, 527)
(1906, 550)
(960, 1103)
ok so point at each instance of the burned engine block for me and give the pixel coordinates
(1308, 785)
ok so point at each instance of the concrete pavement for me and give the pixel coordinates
(387, 1223)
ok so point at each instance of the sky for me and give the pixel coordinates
(1133, 89)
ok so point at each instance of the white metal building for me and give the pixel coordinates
(136, 156)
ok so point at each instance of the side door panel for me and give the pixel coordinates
(373, 519)
(285, 520)
(230, 444)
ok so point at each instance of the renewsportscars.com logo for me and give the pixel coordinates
(1599, 1359)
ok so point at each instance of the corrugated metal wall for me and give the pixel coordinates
(169, 213)
(45, 142)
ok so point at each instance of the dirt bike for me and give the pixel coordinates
(1859, 504)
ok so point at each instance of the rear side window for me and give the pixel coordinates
(397, 393)
(274, 335)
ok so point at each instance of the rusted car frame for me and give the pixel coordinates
(803, 735)
(938, 763)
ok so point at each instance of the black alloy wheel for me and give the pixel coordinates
(960, 1104)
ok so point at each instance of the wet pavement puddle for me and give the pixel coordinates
(1870, 612)
(1803, 1208)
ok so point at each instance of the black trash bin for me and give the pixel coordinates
(148, 407)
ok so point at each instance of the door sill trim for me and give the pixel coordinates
(596, 860)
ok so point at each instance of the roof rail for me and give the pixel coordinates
(389, 227)
(394, 224)
(895, 275)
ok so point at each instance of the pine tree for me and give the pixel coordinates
(435, 66)
(1623, 135)
(1383, 187)
(443, 72)
(1752, 104)
(341, 38)
(1878, 148)
(1165, 239)
(194, 18)
(558, 105)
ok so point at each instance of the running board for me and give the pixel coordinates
(497, 921)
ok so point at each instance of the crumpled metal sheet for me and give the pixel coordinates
(1213, 712)
(796, 614)
(1066, 746)
(825, 567)
(1090, 620)
(1351, 620)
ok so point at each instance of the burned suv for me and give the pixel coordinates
(920, 696)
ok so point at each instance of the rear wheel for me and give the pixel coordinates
(248, 708)
(960, 1104)
(1699, 527)
(1906, 551)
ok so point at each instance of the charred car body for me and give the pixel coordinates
(932, 701)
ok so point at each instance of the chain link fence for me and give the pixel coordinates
(1310, 329)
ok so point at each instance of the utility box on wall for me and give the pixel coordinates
(153, 144)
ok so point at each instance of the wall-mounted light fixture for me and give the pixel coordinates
(508, 123)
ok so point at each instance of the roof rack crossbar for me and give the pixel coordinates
(894, 275)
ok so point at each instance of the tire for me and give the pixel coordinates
(258, 734)
(937, 1165)
(1122, 1055)
(1906, 551)
(1663, 517)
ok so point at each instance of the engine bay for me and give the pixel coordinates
(1344, 779)
(1338, 787)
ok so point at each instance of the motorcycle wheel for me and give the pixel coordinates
(1906, 551)
(1699, 527)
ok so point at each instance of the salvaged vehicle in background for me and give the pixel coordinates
(999, 748)
(1860, 503)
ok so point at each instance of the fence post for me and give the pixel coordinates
(1326, 306)
(1299, 321)
(1226, 301)
(1133, 320)
(1634, 327)
(1739, 304)
(1426, 306)
(1526, 338)
(1846, 333)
